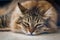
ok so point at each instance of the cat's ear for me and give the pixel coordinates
(21, 7)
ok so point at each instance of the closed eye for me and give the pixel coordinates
(39, 25)
(25, 24)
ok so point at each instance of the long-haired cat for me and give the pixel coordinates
(32, 17)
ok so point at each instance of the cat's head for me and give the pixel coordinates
(33, 21)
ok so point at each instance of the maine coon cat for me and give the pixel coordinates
(33, 17)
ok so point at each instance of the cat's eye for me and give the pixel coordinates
(39, 25)
(25, 24)
(18, 22)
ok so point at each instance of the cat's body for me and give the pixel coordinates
(36, 18)
(6, 9)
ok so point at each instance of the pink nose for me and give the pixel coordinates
(31, 31)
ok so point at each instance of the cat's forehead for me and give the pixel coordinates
(30, 4)
(33, 11)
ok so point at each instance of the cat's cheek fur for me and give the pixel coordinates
(17, 29)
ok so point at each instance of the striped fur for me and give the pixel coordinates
(34, 19)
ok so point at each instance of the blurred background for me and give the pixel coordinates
(5, 19)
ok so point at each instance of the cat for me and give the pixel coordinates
(6, 7)
(32, 17)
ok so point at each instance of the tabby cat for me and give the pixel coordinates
(32, 17)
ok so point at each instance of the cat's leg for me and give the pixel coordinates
(53, 27)
(53, 19)
(49, 30)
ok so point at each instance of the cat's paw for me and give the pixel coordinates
(50, 30)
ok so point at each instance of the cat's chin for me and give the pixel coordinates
(33, 34)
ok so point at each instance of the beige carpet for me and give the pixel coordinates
(16, 36)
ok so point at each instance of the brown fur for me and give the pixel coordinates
(44, 6)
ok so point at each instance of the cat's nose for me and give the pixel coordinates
(31, 32)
